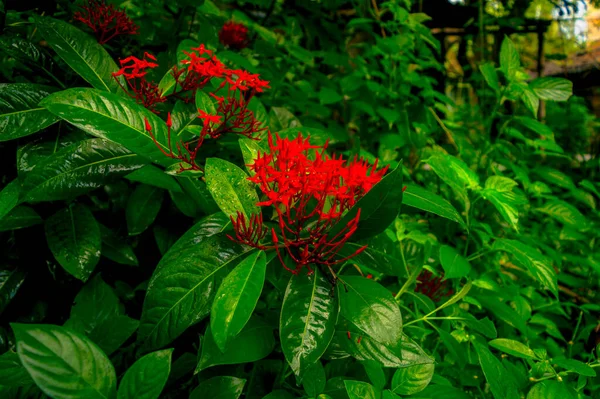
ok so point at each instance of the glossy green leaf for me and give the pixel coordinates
(78, 169)
(182, 288)
(11, 280)
(9, 197)
(371, 308)
(64, 364)
(12, 372)
(513, 347)
(378, 208)
(74, 239)
(314, 379)
(19, 218)
(420, 198)
(361, 390)
(551, 390)
(153, 176)
(112, 117)
(230, 188)
(510, 61)
(453, 171)
(413, 379)
(20, 114)
(552, 89)
(501, 384)
(250, 150)
(205, 103)
(253, 343)
(25, 50)
(576, 366)
(146, 378)
(537, 264)
(81, 52)
(564, 212)
(182, 116)
(454, 264)
(199, 193)
(115, 248)
(236, 298)
(379, 255)
(375, 373)
(142, 208)
(308, 317)
(219, 388)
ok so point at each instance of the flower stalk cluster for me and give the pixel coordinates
(105, 20)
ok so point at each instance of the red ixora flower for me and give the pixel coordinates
(433, 287)
(134, 71)
(310, 193)
(105, 20)
(234, 35)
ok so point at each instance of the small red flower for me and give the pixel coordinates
(310, 194)
(234, 35)
(207, 118)
(134, 71)
(433, 287)
(105, 20)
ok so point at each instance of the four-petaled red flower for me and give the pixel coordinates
(234, 35)
(105, 20)
(310, 192)
(434, 287)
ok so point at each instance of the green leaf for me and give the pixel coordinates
(142, 208)
(250, 150)
(230, 188)
(576, 366)
(361, 390)
(20, 114)
(552, 89)
(498, 190)
(115, 248)
(380, 255)
(510, 61)
(535, 126)
(453, 172)
(11, 280)
(512, 347)
(205, 103)
(413, 379)
(308, 317)
(81, 52)
(9, 197)
(378, 208)
(555, 177)
(314, 379)
(182, 288)
(280, 119)
(501, 384)
(370, 307)
(420, 198)
(78, 169)
(564, 212)
(454, 264)
(64, 364)
(219, 388)
(329, 96)
(375, 373)
(19, 218)
(491, 77)
(98, 314)
(199, 193)
(146, 378)
(74, 239)
(536, 263)
(12, 372)
(253, 343)
(236, 298)
(112, 117)
(551, 390)
(531, 100)
(156, 177)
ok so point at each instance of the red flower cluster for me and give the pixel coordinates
(230, 98)
(234, 35)
(433, 287)
(106, 21)
(134, 71)
(309, 192)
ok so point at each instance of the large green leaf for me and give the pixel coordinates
(380, 255)
(370, 307)
(142, 208)
(9, 197)
(12, 372)
(11, 280)
(230, 188)
(154, 176)
(219, 388)
(513, 347)
(20, 218)
(454, 264)
(564, 212)
(182, 288)
(551, 390)
(20, 114)
(378, 208)
(253, 343)
(552, 89)
(501, 383)
(115, 248)
(78, 169)
(81, 52)
(510, 61)
(453, 171)
(361, 390)
(413, 379)
(147, 377)
(112, 117)
(64, 364)
(308, 317)
(74, 239)
(236, 298)
(422, 199)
